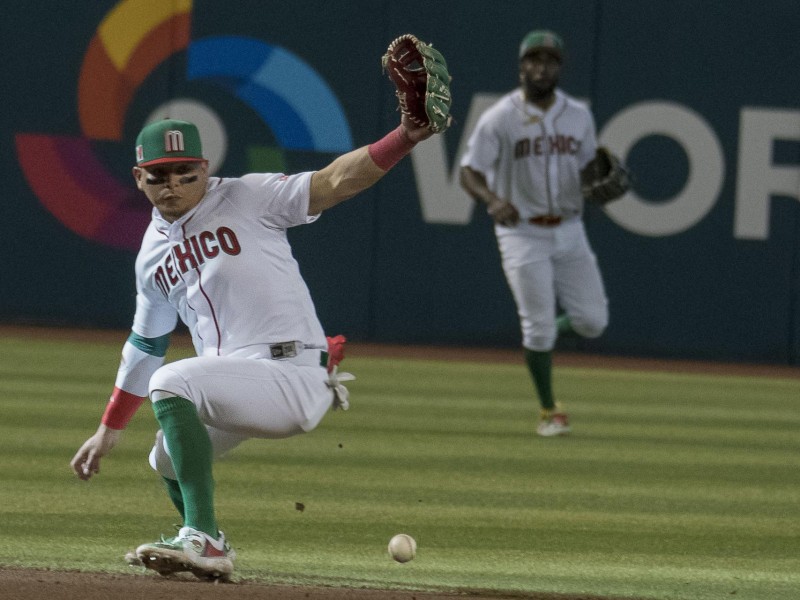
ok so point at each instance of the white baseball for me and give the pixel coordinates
(402, 548)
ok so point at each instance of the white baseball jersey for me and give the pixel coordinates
(226, 268)
(533, 159)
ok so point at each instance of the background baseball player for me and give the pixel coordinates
(216, 255)
(525, 161)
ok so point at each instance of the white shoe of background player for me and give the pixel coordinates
(552, 424)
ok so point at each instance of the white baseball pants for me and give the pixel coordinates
(547, 267)
(241, 398)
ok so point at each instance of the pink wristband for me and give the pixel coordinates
(389, 150)
(120, 409)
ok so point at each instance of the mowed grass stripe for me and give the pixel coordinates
(673, 485)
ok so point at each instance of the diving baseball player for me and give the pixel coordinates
(216, 255)
(524, 162)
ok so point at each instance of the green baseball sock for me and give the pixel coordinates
(540, 365)
(564, 325)
(175, 494)
(190, 449)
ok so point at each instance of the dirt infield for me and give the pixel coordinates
(24, 584)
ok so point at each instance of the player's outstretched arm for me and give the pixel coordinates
(422, 87)
(345, 177)
(360, 169)
(86, 461)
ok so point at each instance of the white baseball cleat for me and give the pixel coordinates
(191, 550)
(553, 425)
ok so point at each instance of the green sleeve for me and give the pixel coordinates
(156, 346)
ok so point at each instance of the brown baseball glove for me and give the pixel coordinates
(419, 73)
(605, 178)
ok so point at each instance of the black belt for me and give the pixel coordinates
(292, 349)
(545, 220)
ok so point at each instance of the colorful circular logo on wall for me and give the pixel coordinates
(134, 39)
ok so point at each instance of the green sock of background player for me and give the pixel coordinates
(540, 365)
(564, 325)
(192, 462)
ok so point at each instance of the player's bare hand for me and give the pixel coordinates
(503, 212)
(86, 461)
(415, 133)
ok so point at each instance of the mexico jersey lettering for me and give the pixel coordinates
(531, 158)
(192, 253)
(552, 144)
(209, 266)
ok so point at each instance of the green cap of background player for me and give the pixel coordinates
(541, 39)
(168, 141)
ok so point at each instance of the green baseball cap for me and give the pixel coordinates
(542, 39)
(168, 141)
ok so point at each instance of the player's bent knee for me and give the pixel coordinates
(590, 326)
(167, 383)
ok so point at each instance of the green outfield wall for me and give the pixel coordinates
(701, 260)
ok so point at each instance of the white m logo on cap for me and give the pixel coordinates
(173, 141)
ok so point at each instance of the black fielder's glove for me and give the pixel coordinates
(419, 73)
(605, 178)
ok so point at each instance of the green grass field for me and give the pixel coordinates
(673, 486)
